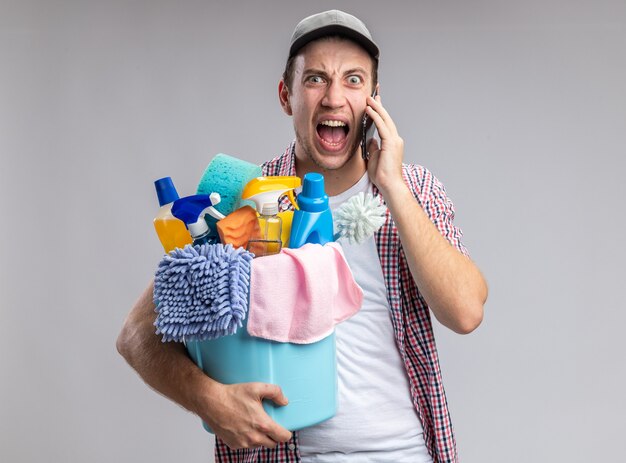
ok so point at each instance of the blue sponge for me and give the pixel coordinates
(227, 176)
(201, 292)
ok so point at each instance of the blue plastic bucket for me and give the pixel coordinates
(307, 373)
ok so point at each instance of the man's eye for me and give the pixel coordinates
(316, 79)
(354, 80)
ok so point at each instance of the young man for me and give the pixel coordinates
(392, 405)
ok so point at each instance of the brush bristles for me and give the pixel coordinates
(359, 218)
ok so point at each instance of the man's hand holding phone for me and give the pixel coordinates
(384, 162)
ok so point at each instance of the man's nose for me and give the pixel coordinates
(334, 96)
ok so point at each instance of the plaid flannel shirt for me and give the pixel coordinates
(410, 317)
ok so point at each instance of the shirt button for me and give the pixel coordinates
(291, 446)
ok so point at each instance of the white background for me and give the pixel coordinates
(518, 107)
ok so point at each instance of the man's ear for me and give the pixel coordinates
(283, 96)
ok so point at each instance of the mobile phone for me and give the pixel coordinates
(368, 130)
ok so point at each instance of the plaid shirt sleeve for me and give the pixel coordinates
(431, 194)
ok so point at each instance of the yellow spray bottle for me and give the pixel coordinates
(275, 226)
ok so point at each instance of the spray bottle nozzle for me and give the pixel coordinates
(191, 210)
(268, 189)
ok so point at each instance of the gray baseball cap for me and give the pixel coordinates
(332, 22)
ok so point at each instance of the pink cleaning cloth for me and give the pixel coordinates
(299, 295)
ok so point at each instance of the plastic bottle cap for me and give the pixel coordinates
(313, 198)
(313, 185)
(166, 192)
(269, 209)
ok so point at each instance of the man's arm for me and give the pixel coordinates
(451, 284)
(234, 412)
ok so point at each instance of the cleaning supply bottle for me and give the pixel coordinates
(271, 226)
(313, 220)
(191, 210)
(171, 231)
(265, 192)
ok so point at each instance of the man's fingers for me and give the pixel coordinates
(378, 108)
(272, 392)
(255, 440)
(280, 434)
(263, 440)
(373, 146)
(247, 424)
(272, 429)
(383, 129)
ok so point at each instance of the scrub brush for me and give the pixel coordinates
(201, 292)
(359, 218)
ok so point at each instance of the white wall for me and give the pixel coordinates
(518, 107)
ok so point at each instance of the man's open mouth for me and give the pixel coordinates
(333, 133)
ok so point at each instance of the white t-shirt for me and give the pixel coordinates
(376, 419)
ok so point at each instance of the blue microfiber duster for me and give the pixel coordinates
(201, 292)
